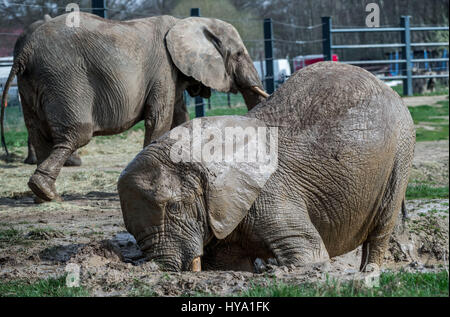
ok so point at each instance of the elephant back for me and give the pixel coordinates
(334, 100)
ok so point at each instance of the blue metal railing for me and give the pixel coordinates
(407, 59)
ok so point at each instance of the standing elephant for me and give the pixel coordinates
(345, 147)
(74, 159)
(102, 77)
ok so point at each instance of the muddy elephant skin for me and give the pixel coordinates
(103, 76)
(345, 147)
(74, 159)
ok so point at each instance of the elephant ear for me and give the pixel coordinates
(197, 51)
(233, 182)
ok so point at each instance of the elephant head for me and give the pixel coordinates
(212, 53)
(174, 206)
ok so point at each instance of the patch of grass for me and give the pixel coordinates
(429, 113)
(441, 133)
(51, 287)
(416, 191)
(219, 100)
(141, 289)
(17, 236)
(440, 90)
(44, 234)
(428, 225)
(16, 138)
(435, 117)
(222, 111)
(401, 284)
(11, 236)
(15, 132)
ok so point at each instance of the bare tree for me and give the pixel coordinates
(247, 24)
(291, 19)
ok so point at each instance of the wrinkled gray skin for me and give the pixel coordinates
(104, 76)
(346, 143)
(74, 159)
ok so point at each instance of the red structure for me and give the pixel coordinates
(8, 37)
(303, 61)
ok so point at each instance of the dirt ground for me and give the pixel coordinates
(87, 229)
(423, 100)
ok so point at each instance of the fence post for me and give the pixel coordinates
(199, 105)
(326, 36)
(268, 50)
(99, 8)
(406, 55)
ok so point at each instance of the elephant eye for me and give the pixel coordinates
(173, 208)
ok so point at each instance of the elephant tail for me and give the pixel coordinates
(12, 74)
(404, 210)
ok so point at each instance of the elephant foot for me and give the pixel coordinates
(73, 160)
(31, 159)
(371, 267)
(43, 187)
(38, 200)
(369, 277)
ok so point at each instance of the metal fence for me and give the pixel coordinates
(267, 50)
(406, 45)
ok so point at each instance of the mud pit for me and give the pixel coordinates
(39, 241)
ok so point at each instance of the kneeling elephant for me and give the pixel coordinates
(345, 144)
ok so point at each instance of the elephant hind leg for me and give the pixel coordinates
(65, 142)
(376, 244)
(73, 160)
(31, 158)
(377, 241)
(42, 182)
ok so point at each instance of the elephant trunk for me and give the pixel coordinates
(249, 83)
(175, 262)
(252, 97)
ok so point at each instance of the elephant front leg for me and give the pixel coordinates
(159, 111)
(73, 160)
(180, 112)
(290, 235)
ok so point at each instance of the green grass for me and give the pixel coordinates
(16, 138)
(141, 289)
(440, 90)
(51, 287)
(432, 116)
(222, 111)
(11, 236)
(219, 100)
(430, 113)
(400, 284)
(436, 117)
(416, 191)
(426, 135)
